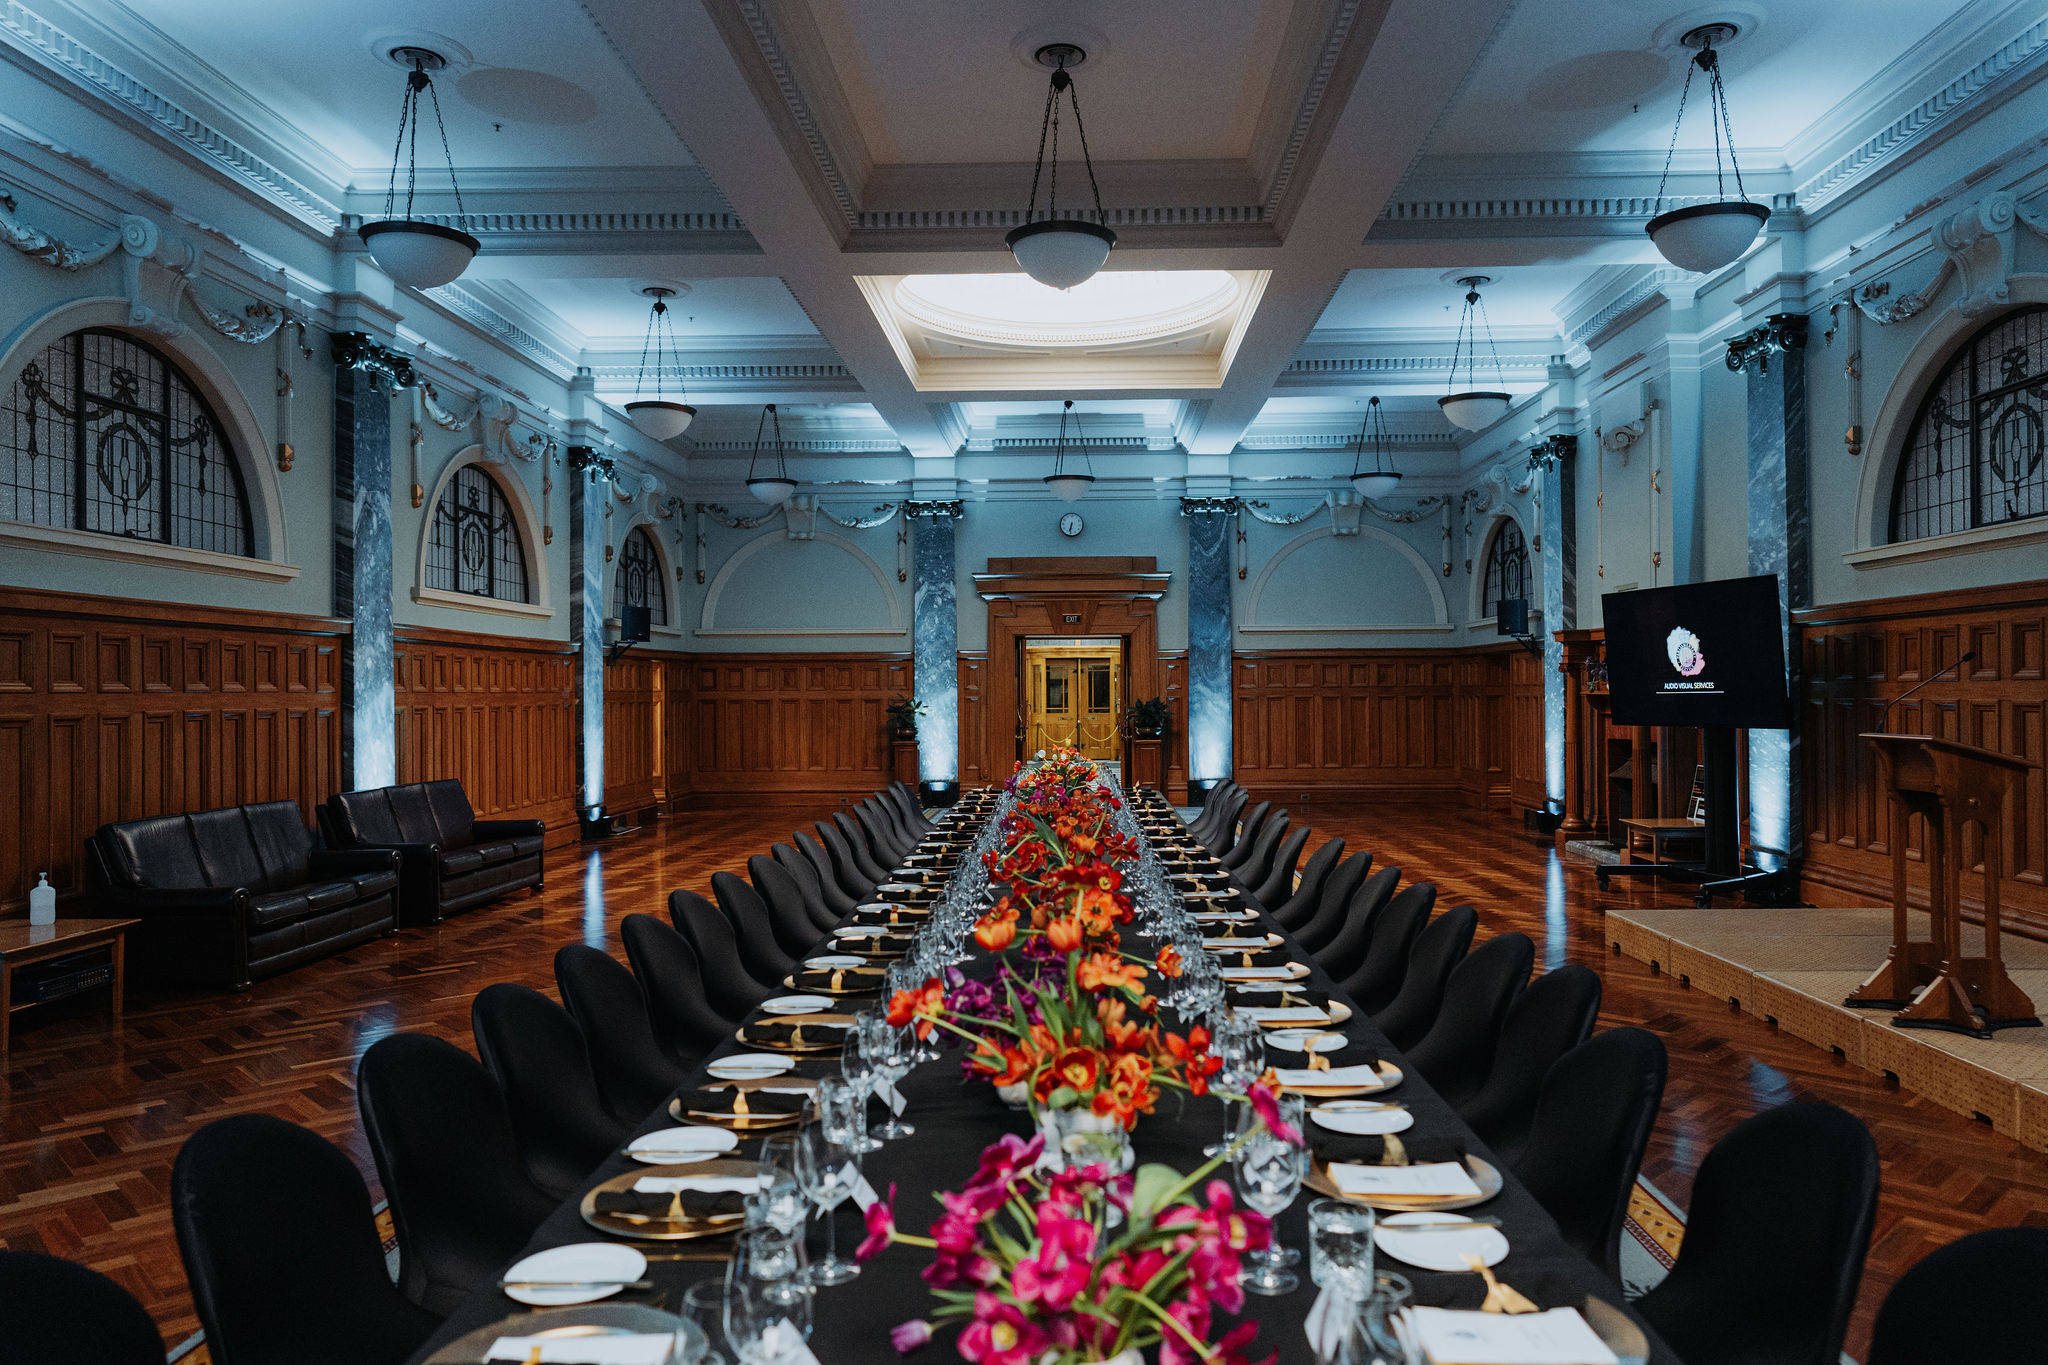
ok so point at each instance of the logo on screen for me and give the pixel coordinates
(1682, 647)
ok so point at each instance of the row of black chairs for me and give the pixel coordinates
(1783, 1205)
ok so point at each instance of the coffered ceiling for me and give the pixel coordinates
(794, 161)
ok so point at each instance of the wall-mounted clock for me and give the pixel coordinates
(1071, 524)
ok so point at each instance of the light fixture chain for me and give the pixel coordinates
(391, 193)
(448, 152)
(645, 347)
(1052, 196)
(1720, 93)
(1500, 373)
(1044, 126)
(668, 327)
(1684, 92)
(1458, 347)
(1074, 94)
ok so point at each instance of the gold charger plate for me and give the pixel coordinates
(1390, 1076)
(826, 1039)
(657, 1229)
(1484, 1174)
(738, 1123)
(850, 981)
(581, 1320)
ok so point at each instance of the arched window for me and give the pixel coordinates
(475, 547)
(639, 577)
(1975, 453)
(102, 432)
(1507, 566)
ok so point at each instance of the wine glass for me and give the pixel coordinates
(1269, 1172)
(857, 1065)
(779, 1198)
(894, 1051)
(828, 1168)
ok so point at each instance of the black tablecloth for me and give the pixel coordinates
(956, 1119)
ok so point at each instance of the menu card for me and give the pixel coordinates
(1362, 1075)
(1285, 1014)
(1558, 1337)
(638, 1349)
(706, 1184)
(1273, 973)
(1435, 1179)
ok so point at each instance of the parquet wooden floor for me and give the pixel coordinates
(90, 1123)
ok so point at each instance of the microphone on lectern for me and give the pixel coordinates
(1885, 714)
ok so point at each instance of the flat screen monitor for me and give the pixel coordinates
(1697, 654)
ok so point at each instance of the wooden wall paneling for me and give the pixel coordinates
(796, 725)
(676, 673)
(1859, 656)
(632, 734)
(115, 709)
(973, 722)
(1527, 771)
(1361, 720)
(498, 713)
(1173, 686)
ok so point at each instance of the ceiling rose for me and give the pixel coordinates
(1114, 307)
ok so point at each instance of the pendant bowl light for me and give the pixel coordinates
(417, 254)
(1382, 481)
(1705, 237)
(777, 488)
(660, 417)
(1060, 252)
(1474, 408)
(1069, 485)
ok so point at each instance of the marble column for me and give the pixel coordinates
(364, 374)
(590, 474)
(1211, 525)
(935, 643)
(1560, 558)
(1773, 357)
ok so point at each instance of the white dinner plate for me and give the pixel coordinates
(750, 1066)
(606, 1265)
(1361, 1118)
(797, 1004)
(1242, 945)
(831, 960)
(1305, 1040)
(677, 1146)
(860, 931)
(1437, 1250)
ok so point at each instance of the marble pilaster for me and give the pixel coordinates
(1560, 558)
(589, 473)
(935, 640)
(361, 557)
(1211, 524)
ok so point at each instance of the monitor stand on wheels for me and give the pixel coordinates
(1722, 871)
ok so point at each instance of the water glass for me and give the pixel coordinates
(751, 1315)
(1340, 1249)
(704, 1305)
(894, 1051)
(842, 1110)
(1377, 1331)
(776, 1258)
(779, 1200)
(828, 1169)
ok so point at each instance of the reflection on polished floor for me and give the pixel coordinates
(89, 1124)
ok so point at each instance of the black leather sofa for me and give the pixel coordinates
(452, 861)
(227, 896)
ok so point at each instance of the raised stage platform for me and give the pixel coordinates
(1793, 967)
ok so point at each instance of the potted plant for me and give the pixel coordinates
(1148, 719)
(903, 714)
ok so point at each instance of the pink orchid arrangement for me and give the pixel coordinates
(1043, 1271)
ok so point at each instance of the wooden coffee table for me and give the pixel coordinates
(22, 943)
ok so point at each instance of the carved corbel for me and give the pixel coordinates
(1347, 514)
(801, 519)
(1977, 247)
(1622, 439)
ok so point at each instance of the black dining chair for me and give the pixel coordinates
(282, 1253)
(1554, 1015)
(57, 1312)
(808, 886)
(634, 1072)
(844, 865)
(1585, 1146)
(900, 833)
(685, 1025)
(747, 913)
(1977, 1300)
(788, 916)
(1221, 835)
(1295, 910)
(1204, 823)
(461, 1201)
(1774, 1243)
(873, 867)
(1264, 850)
(1437, 950)
(914, 818)
(1248, 830)
(1457, 1052)
(1350, 959)
(541, 1062)
(1278, 884)
(887, 850)
(840, 901)
(1335, 903)
(728, 985)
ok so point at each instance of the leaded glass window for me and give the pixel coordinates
(639, 577)
(1507, 566)
(1975, 454)
(102, 432)
(475, 546)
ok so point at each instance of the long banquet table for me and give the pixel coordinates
(956, 1119)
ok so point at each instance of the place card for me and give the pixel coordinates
(640, 1348)
(703, 1184)
(1363, 1076)
(1559, 1337)
(1434, 1180)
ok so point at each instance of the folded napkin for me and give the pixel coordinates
(1253, 955)
(837, 978)
(809, 1033)
(1394, 1149)
(696, 1204)
(725, 1100)
(1261, 971)
(1350, 1055)
(1545, 1284)
(641, 1348)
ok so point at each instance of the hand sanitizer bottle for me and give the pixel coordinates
(42, 901)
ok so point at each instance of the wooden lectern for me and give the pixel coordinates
(1952, 785)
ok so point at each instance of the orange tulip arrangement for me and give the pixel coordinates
(1076, 1029)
